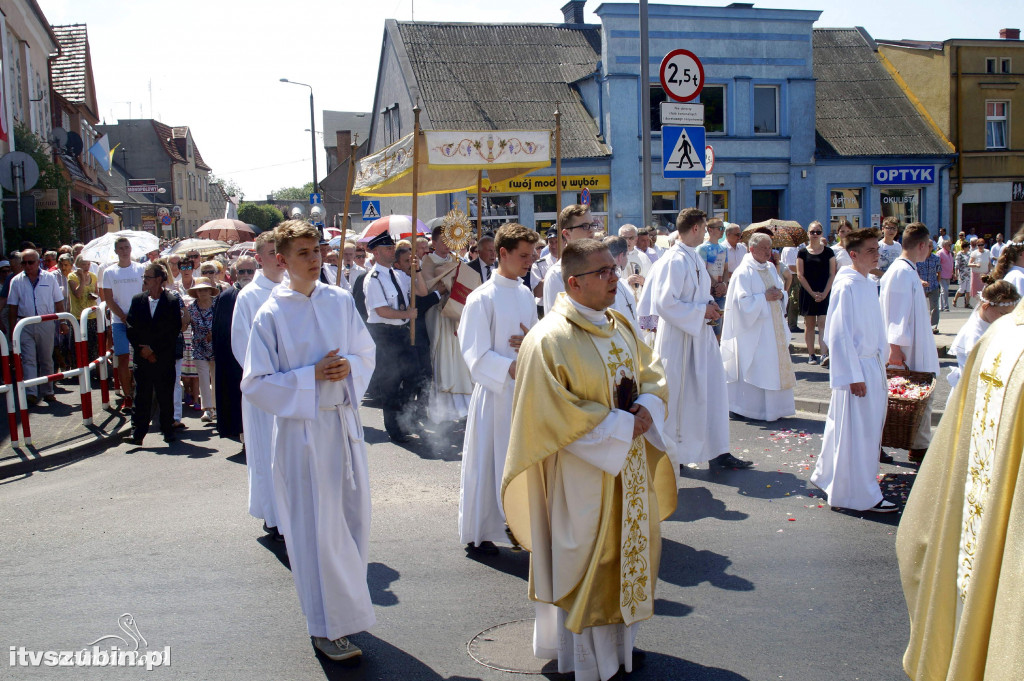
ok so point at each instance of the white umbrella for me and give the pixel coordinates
(204, 246)
(101, 249)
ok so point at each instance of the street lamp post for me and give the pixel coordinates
(312, 128)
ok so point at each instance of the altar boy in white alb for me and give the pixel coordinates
(755, 338)
(907, 320)
(309, 360)
(678, 292)
(496, 317)
(848, 463)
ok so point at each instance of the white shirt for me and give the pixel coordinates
(788, 257)
(35, 300)
(124, 283)
(152, 305)
(996, 249)
(734, 256)
(379, 289)
(635, 260)
(983, 258)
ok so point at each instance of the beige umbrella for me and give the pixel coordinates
(225, 229)
(204, 246)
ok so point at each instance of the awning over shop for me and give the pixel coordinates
(451, 159)
(91, 207)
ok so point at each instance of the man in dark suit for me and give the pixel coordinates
(153, 323)
(485, 263)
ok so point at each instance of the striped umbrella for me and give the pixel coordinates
(399, 226)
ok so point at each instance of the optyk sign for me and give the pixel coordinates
(904, 175)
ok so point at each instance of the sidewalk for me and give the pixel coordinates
(58, 434)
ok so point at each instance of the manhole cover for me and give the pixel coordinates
(508, 647)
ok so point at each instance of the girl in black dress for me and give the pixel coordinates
(816, 269)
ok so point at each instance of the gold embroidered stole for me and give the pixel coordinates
(636, 585)
(787, 379)
(998, 363)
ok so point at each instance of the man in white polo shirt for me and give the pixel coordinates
(120, 283)
(35, 292)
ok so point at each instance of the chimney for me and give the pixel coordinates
(344, 144)
(1004, 33)
(573, 11)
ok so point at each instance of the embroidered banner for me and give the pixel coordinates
(489, 149)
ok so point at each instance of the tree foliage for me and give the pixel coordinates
(294, 193)
(53, 227)
(260, 214)
(230, 187)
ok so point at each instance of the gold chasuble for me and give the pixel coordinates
(961, 540)
(787, 377)
(594, 538)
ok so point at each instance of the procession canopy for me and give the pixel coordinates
(453, 158)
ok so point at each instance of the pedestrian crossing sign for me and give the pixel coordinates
(682, 151)
(371, 209)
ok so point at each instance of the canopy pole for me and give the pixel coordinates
(414, 231)
(558, 159)
(345, 219)
(479, 205)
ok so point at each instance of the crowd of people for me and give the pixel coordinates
(590, 370)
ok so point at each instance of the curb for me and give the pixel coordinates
(801, 349)
(30, 461)
(820, 408)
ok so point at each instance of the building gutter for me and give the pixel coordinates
(955, 196)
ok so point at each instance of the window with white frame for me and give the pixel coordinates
(713, 99)
(766, 110)
(1004, 65)
(996, 120)
(990, 65)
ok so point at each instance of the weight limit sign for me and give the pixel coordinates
(682, 75)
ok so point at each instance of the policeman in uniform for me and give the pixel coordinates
(388, 313)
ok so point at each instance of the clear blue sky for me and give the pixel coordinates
(214, 65)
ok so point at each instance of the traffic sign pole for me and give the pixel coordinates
(645, 108)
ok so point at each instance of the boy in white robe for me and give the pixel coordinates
(848, 463)
(496, 317)
(755, 338)
(257, 425)
(574, 222)
(908, 322)
(309, 360)
(678, 292)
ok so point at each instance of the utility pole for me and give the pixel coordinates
(645, 110)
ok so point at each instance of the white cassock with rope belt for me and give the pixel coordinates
(755, 344)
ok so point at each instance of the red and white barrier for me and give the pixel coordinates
(22, 383)
(9, 388)
(101, 340)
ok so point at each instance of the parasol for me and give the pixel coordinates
(224, 229)
(399, 226)
(101, 249)
(245, 248)
(783, 232)
(204, 246)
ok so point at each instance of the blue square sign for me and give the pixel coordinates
(682, 151)
(371, 209)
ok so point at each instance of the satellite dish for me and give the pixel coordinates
(75, 145)
(59, 137)
(20, 165)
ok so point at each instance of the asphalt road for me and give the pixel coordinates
(759, 580)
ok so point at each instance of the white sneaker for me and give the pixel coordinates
(824, 361)
(338, 649)
(206, 417)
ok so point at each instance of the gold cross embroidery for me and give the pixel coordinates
(991, 379)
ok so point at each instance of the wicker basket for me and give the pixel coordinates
(904, 414)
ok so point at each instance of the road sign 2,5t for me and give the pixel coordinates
(682, 75)
(682, 151)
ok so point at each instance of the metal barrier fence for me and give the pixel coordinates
(100, 363)
(80, 372)
(9, 388)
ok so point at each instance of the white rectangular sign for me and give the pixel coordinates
(706, 181)
(679, 113)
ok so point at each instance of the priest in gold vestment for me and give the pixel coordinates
(961, 540)
(588, 478)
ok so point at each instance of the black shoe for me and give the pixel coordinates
(169, 437)
(639, 659)
(486, 548)
(398, 437)
(729, 461)
(272, 531)
(884, 506)
(883, 457)
(130, 438)
(512, 539)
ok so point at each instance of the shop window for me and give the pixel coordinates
(902, 204)
(765, 204)
(766, 110)
(497, 210)
(845, 204)
(984, 219)
(657, 97)
(713, 99)
(719, 204)
(996, 117)
(664, 209)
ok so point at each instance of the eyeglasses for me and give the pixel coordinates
(815, 233)
(247, 271)
(889, 227)
(603, 273)
(208, 273)
(151, 276)
(185, 266)
(590, 227)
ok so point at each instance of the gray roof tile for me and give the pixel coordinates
(68, 71)
(506, 76)
(860, 110)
